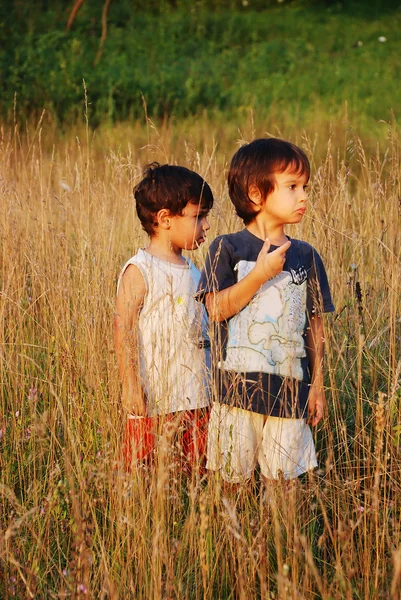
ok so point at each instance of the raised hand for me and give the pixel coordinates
(224, 304)
(269, 264)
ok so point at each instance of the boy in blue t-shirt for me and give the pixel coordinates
(268, 293)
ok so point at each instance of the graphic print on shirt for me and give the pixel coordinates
(267, 335)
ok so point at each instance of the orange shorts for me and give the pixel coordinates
(187, 429)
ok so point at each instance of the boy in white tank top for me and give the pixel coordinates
(160, 331)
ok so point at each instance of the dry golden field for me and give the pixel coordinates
(72, 523)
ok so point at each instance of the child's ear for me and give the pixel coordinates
(254, 194)
(163, 218)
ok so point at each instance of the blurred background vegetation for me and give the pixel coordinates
(299, 58)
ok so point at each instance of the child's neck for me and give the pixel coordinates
(165, 251)
(263, 229)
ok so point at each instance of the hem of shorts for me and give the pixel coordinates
(234, 480)
(294, 474)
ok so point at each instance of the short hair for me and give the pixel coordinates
(255, 164)
(171, 187)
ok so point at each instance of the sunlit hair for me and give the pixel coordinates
(256, 164)
(171, 187)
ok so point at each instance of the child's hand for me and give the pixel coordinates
(135, 404)
(316, 404)
(271, 264)
(138, 407)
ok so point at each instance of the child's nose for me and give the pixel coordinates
(205, 225)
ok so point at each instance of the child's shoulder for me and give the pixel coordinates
(231, 237)
(138, 260)
(133, 275)
(140, 256)
(233, 247)
(303, 248)
(235, 240)
(304, 254)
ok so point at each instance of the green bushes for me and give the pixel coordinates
(182, 61)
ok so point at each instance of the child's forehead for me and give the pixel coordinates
(194, 208)
(291, 172)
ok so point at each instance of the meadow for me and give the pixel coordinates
(73, 523)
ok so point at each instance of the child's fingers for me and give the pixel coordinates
(266, 246)
(315, 415)
(316, 419)
(280, 252)
(313, 420)
(283, 249)
(272, 261)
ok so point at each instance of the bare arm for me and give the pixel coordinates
(315, 350)
(130, 298)
(226, 303)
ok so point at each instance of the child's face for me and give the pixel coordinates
(188, 231)
(287, 203)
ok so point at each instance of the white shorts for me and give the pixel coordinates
(239, 439)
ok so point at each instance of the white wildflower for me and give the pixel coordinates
(64, 186)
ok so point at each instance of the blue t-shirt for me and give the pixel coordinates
(262, 358)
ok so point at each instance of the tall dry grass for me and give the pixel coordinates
(73, 524)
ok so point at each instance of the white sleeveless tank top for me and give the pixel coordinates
(172, 335)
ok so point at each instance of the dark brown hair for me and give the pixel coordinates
(255, 164)
(171, 187)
